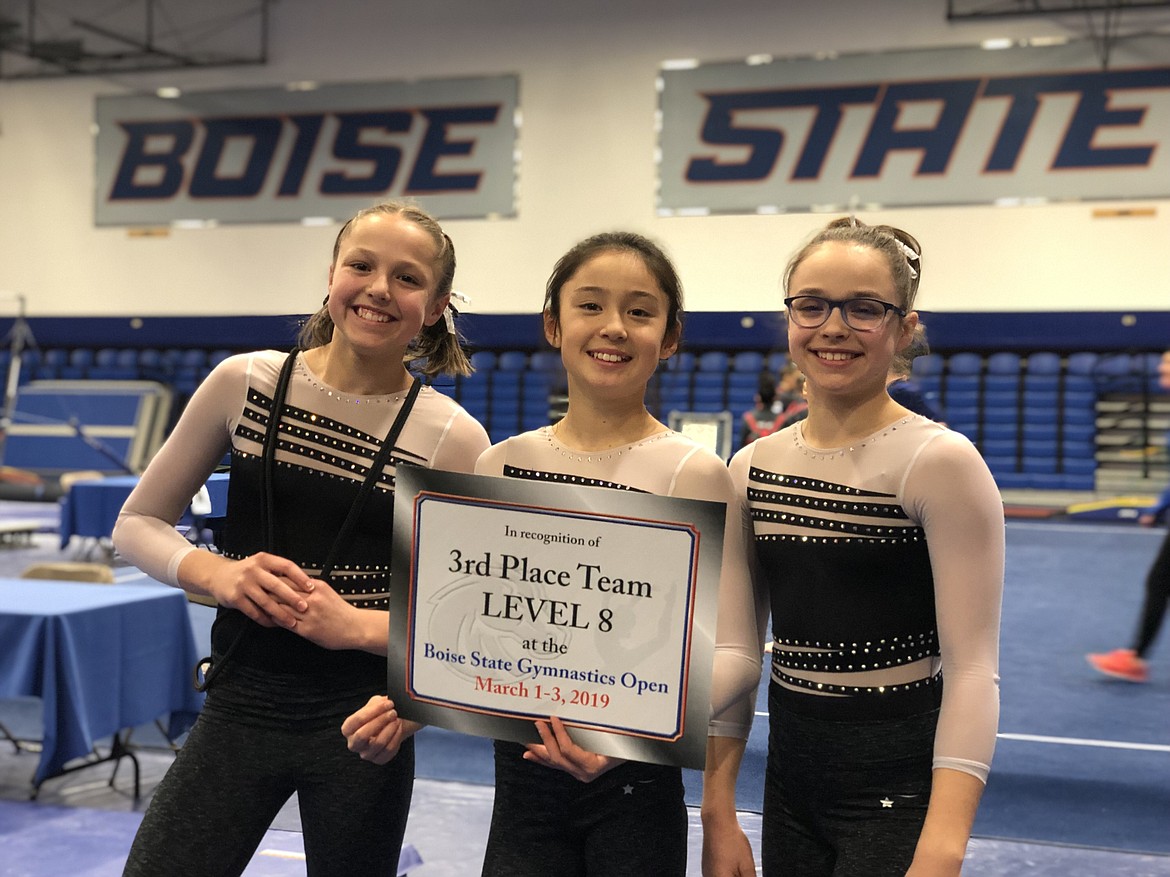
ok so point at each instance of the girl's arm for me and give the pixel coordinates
(266, 588)
(738, 631)
(145, 530)
(726, 851)
(330, 621)
(461, 444)
(951, 492)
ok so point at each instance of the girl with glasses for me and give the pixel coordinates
(878, 538)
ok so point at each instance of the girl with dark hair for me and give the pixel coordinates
(613, 308)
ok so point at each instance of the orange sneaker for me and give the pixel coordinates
(1121, 664)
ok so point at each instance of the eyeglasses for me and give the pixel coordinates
(859, 314)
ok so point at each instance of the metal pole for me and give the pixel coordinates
(19, 337)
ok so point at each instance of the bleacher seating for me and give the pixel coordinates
(1035, 417)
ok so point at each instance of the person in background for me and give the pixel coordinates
(300, 636)
(1131, 664)
(797, 409)
(789, 389)
(902, 386)
(762, 419)
(879, 542)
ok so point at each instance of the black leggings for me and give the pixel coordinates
(1157, 597)
(232, 777)
(844, 799)
(629, 822)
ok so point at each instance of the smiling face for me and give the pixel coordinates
(611, 326)
(835, 359)
(382, 285)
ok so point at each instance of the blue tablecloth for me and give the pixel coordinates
(91, 507)
(102, 658)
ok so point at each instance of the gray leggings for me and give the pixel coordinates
(844, 799)
(629, 822)
(231, 778)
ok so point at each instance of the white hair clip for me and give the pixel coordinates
(449, 312)
(910, 255)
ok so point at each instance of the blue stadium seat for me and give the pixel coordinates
(1039, 431)
(189, 370)
(1012, 480)
(1001, 398)
(1043, 363)
(1001, 415)
(969, 428)
(1075, 398)
(962, 398)
(1041, 397)
(931, 384)
(749, 361)
(483, 360)
(1148, 364)
(708, 405)
(150, 364)
(714, 361)
(999, 447)
(1082, 363)
(1003, 363)
(216, 357)
(1039, 465)
(109, 365)
(80, 360)
(776, 360)
(1040, 447)
(999, 463)
(968, 414)
(927, 365)
(1040, 387)
(739, 401)
(1080, 432)
(1116, 374)
(1072, 449)
(30, 361)
(749, 381)
(546, 360)
(512, 361)
(709, 380)
(46, 366)
(962, 383)
(1115, 364)
(1002, 384)
(964, 364)
(1003, 431)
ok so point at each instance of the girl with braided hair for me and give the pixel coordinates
(303, 574)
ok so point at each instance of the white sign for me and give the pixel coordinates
(939, 126)
(514, 601)
(264, 155)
